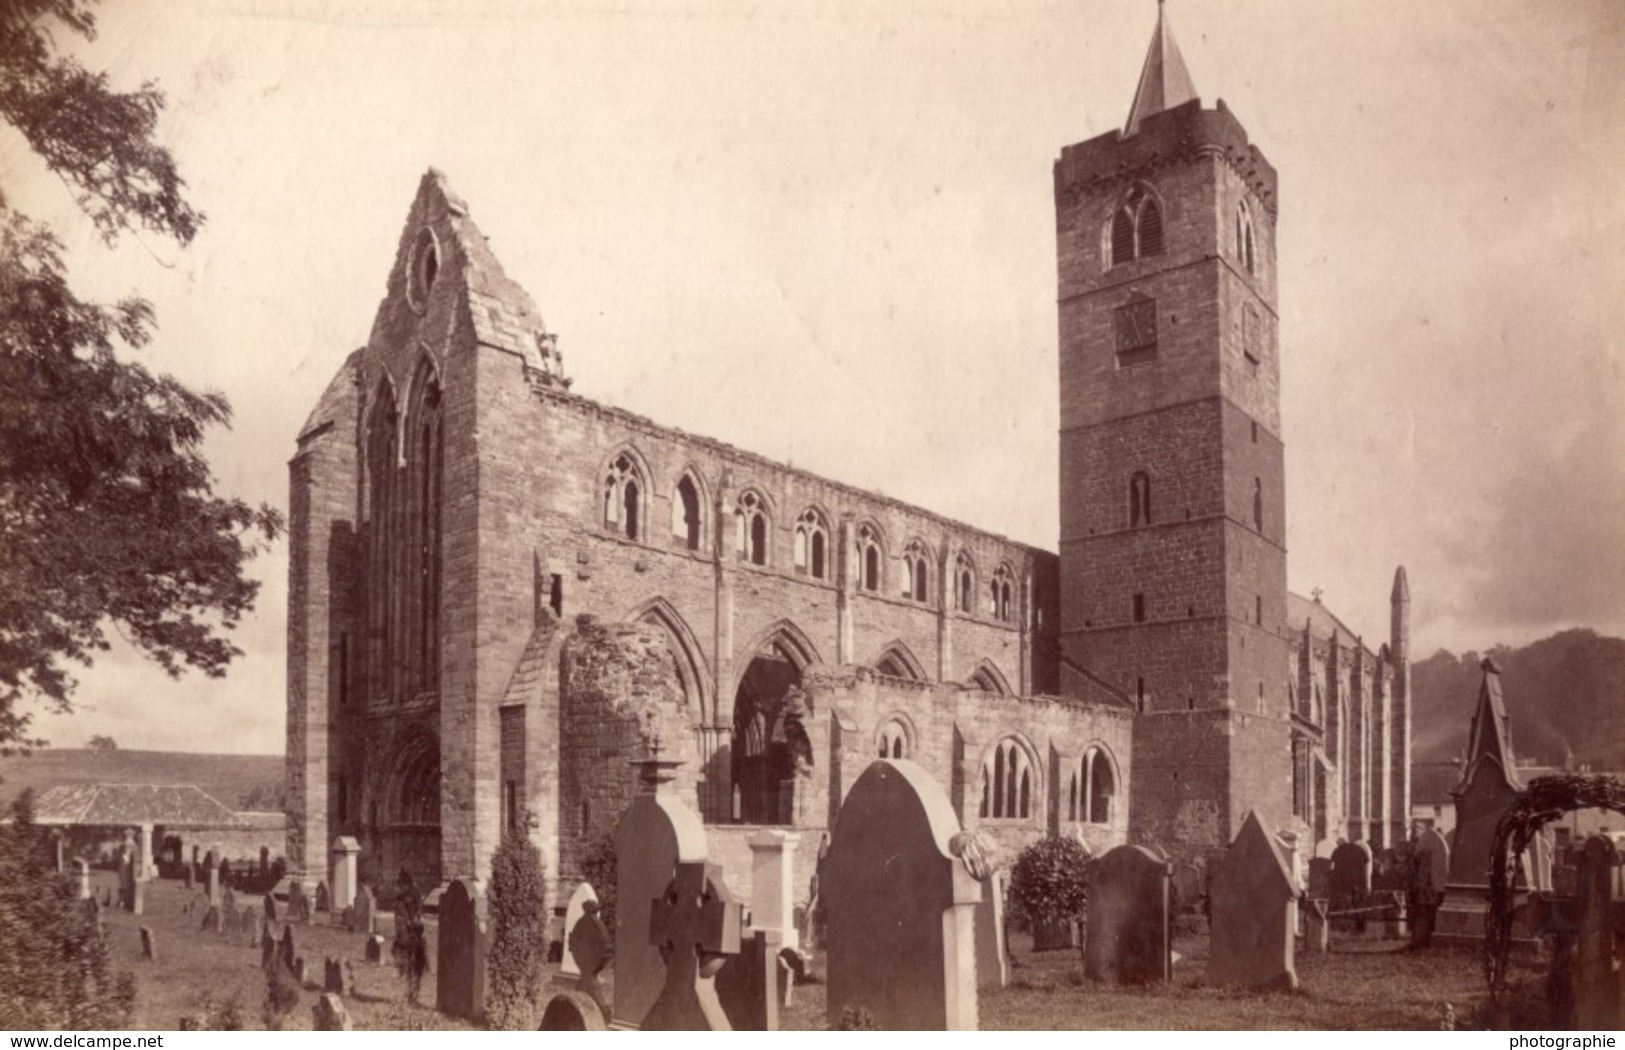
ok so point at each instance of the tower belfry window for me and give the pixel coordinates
(1136, 228)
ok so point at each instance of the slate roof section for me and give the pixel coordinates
(1323, 623)
(131, 805)
(1164, 82)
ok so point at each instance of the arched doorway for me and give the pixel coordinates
(406, 812)
(770, 753)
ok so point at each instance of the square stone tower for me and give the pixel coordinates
(1173, 564)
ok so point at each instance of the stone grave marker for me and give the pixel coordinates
(1253, 913)
(1437, 851)
(268, 950)
(188, 876)
(138, 897)
(695, 925)
(1129, 924)
(752, 984)
(1351, 879)
(329, 1015)
(657, 832)
(572, 1011)
(572, 915)
(268, 905)
(589, 943)
(347, 918)
(460, 981)
(227, 875)
(265, 861)
(373, 950)
(365, 910)
(298, 902)
(228, 901)
(211, 919)
(1316, 926)
(149, 949)
(899, 908)
(1320, 878)
(286, 954)
(299, 969)
(1597, 987)
(126, 881)
(211, 877)
(323, 900)
(333, 975)
(346, 866)
(82, 869)
(992, 953)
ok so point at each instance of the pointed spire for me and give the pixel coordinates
(1402, 586)
(1491, 738)
(1164, 82)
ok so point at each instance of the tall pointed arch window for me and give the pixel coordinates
(1136, 228)
(965, 584)
(384, 552)
(1091, 798)
(812, 544)
(869, 555)
(425, 471)
(1245, 252)
(1001, 594)
(623, 497)
(750, 529)
(686, 514)
(1008, 781)
(916, 563)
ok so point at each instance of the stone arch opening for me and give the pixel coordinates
(770, 755)
(409, 815)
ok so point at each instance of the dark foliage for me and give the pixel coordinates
(281, 996)
(1050, 882)
(1543, 801)
(599, 870)
(856, 1019)
(411, 947)
(107, 507)
(56, 971)
(518, 953)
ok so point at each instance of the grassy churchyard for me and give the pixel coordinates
(1362, 984)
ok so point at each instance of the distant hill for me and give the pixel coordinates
(1563, 694)
(232, 779)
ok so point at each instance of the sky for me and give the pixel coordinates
(824, 231)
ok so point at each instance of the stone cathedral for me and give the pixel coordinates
(499, 586)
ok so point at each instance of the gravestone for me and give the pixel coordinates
(82, 868)
(1351, 883)
(572, 1012)
(188, 879)
(347, 918)
(657, 832)
(265, 861)
(1320, 878)
(328, 1014)
(298, 902)
(332, 975)
(750, 985)
(1437, 851)
(299, 969)
(138, 898)
(572, 915)
(211, 877)
(589, 943)
(1253, 913)
(269, 907)
(1129, 925)
(373, 950)
(228, 902)
(695, 926)
(268, 952)
(148, 949)
(211, 919)
(1189, 886)
(346, 866)
(992, 953)
(226, 873)
(126, 880)
(1316, 926)
(900, 920)
(286, 955)
(460, 982)
(1597, 986)
(365, 910)
(323, 901)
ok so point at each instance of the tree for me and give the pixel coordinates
(102, 743)
(1049, 884)
(108, 515)
(518, 953)
(57, 970)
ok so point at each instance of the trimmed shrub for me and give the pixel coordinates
(517, 904)
(1049, 884)
(56, 971)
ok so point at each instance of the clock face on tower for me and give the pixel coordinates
(1136, 326)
